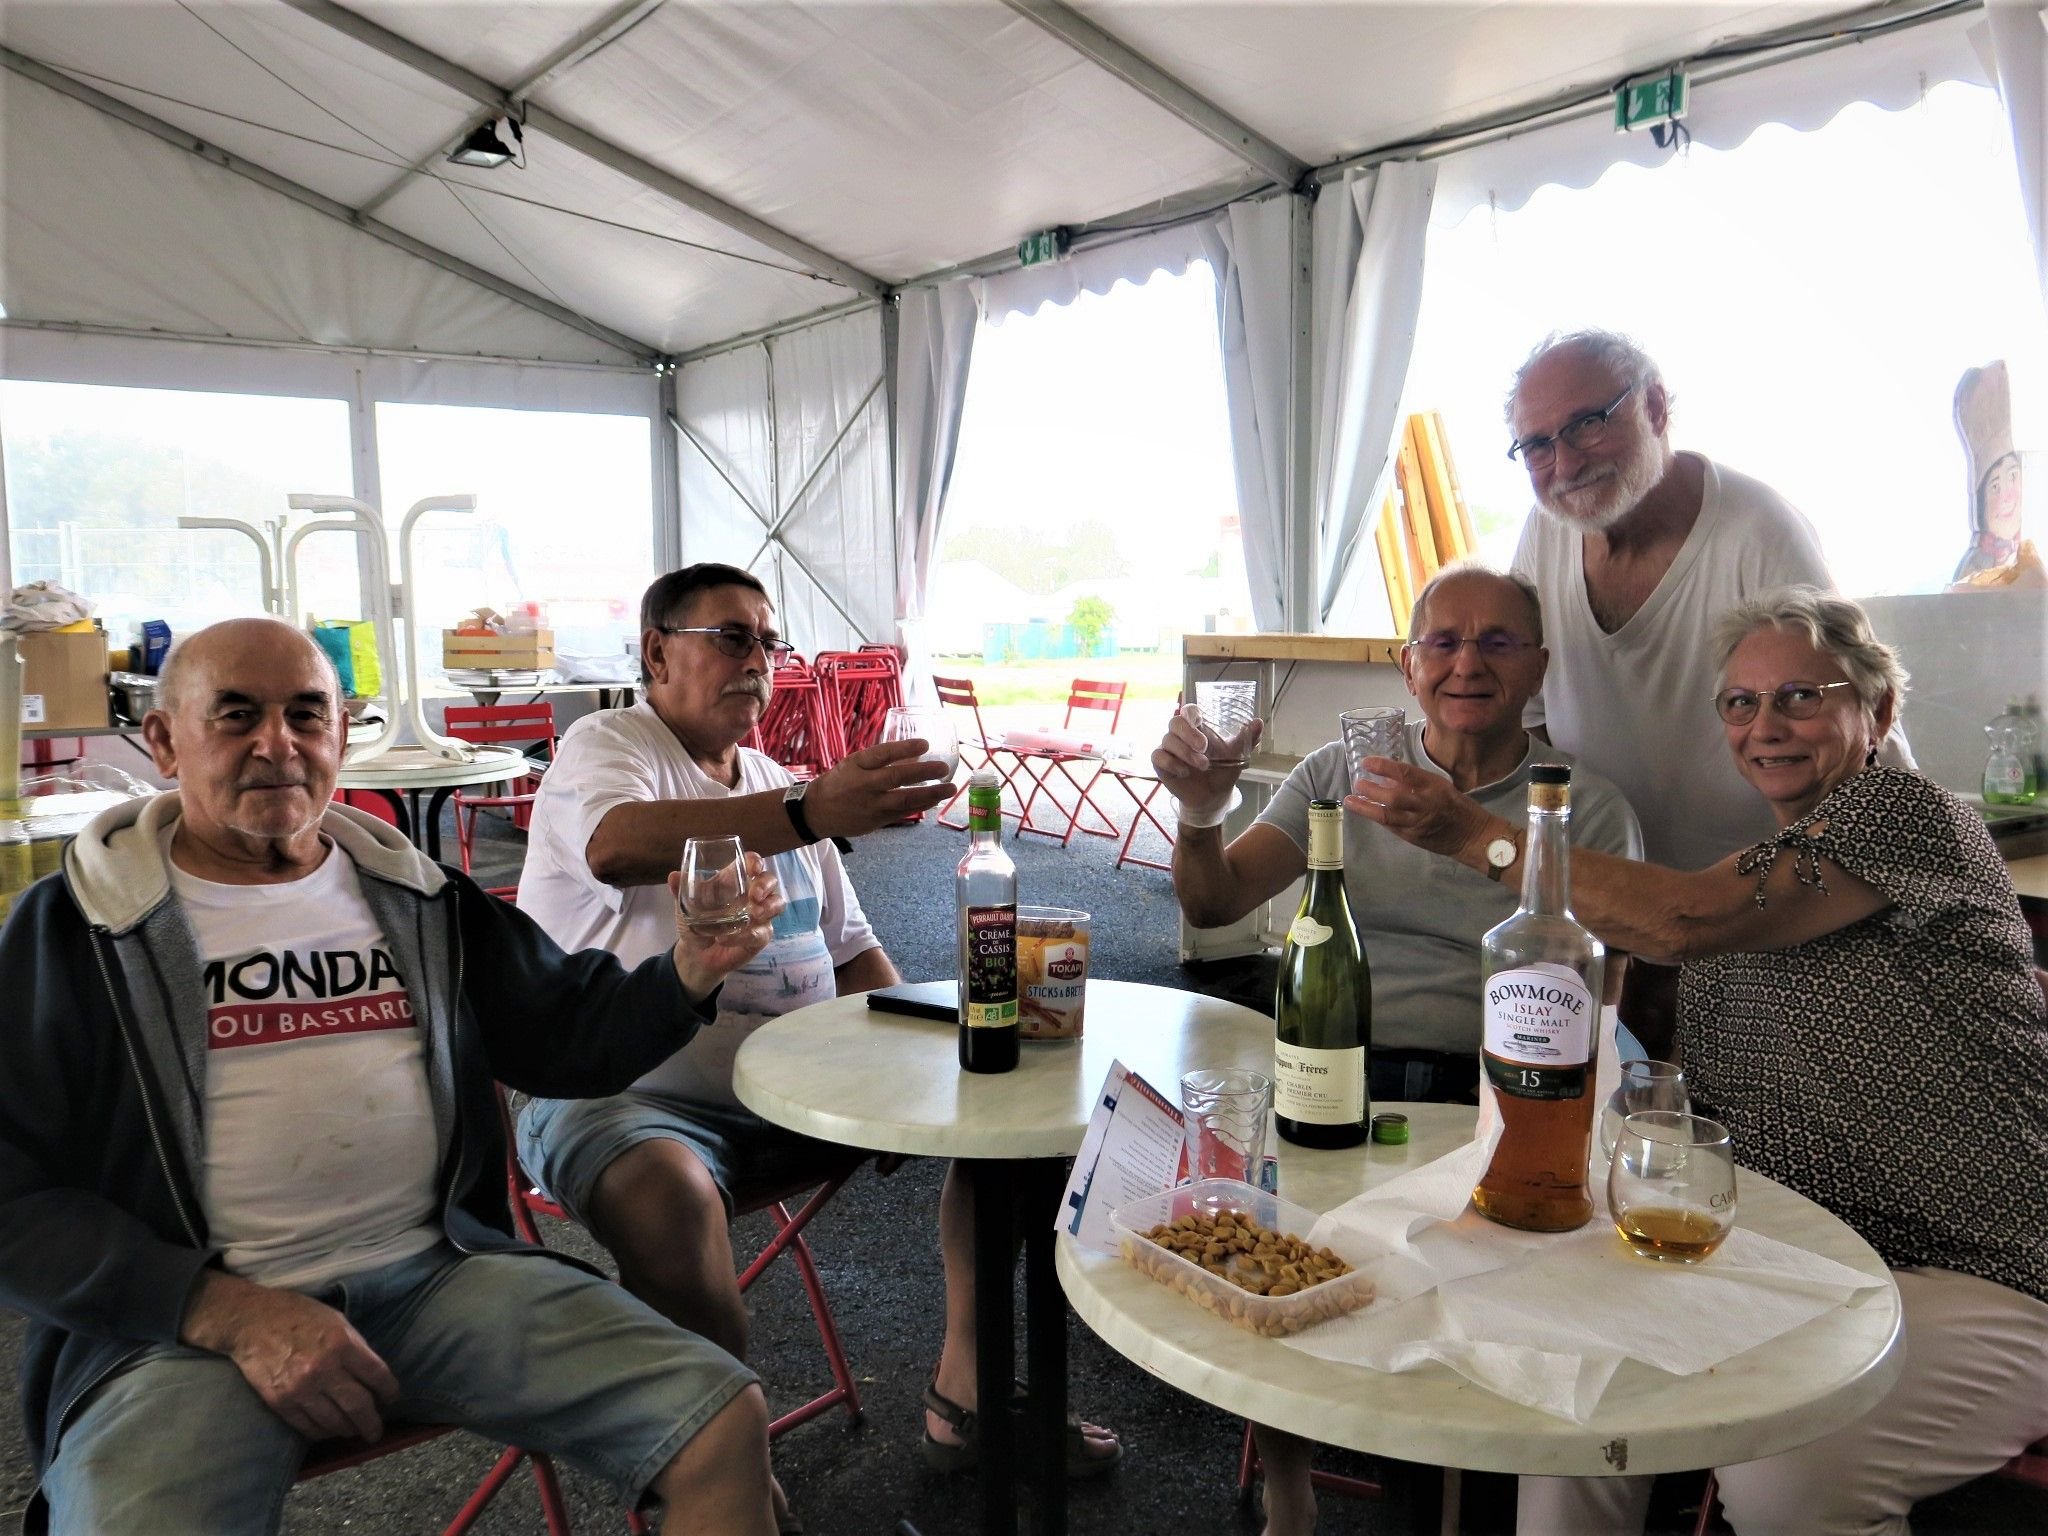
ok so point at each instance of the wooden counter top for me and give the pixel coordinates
(1284, 647)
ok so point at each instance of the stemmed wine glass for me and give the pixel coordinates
(714, 885)
(911, 722)
(1644, 1085)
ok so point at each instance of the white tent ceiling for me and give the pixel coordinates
(698, 169)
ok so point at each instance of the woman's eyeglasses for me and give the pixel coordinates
(1795, 701)
(734, 641)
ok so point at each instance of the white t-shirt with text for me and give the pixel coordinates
(321, 1151)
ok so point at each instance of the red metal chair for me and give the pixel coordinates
(798, 728)
(531, 727)
(528, 1202)
(861, 687)
(1249, 1467)
(332, 1456)
(1143, 786)
(1087, 696)
(958, 693)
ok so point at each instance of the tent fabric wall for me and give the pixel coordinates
(1254, 262)
(2018, 35)
(934, 346)
(784, 470)
(1388, 210)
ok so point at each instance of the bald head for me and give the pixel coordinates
(236, 643)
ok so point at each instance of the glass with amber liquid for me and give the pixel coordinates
(1671, 1187)
(1541, 1000)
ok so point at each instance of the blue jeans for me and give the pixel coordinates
(522, 1348)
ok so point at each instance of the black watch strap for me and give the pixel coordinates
(794, 805)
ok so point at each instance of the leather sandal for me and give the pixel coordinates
(964, 1422)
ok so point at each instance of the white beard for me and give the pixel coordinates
(1622, 485)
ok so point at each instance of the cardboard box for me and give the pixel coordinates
(533, 651)
(64, 679)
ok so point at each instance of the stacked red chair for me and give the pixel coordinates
(861, 687)
(799, 729)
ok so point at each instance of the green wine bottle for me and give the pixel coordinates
(1323, 1013)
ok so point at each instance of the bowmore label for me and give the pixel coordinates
(1320, 1087)
(1307, 932)
(1539, 1031)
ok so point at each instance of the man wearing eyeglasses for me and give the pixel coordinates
(1637, 549)
(1474, 657)
(652, 1171)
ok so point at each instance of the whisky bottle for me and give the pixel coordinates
(1541, 1000)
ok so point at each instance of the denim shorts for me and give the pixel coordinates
(566, 1144)
(523, 1348)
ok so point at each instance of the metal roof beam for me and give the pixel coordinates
(135, 117)
(1142, 75)
(584, 142)
(600, 35)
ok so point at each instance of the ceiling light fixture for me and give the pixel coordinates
(487, 146)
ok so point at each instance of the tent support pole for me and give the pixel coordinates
(1299, 600)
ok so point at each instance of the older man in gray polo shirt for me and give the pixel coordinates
(1474, 657)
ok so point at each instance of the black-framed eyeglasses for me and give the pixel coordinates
(1586, 431)
(735, 640)
(1795, 701)
(1494, 645)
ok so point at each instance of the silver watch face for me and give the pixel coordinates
(795, 791)
(1500, 853)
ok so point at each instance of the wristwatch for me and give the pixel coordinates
(1500, 854)
(793, 803)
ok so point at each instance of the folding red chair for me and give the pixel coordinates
(1088, 696)
(531, 727)
(1143, 786)
(798, 728)
(861, 687)
(528, 1202)
(330, 1456)
(958, 693)
(1249, 1466)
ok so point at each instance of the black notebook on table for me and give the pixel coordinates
(922, 999)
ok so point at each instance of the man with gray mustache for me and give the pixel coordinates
(1636, 549)
(652, 1171)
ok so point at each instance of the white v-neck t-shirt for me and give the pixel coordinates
(321, 1152)
(1638, 705)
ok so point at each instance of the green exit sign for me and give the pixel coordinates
(1045, 245)
(1644, 103)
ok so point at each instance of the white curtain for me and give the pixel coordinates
(1368, 305)
(1253, 261)
(2019, 47)
(934, 344)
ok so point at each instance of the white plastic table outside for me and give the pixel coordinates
(1779, 1395)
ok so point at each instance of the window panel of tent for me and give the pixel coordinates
(564, 518)
(97, 477)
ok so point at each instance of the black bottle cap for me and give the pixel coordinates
(1550, 773)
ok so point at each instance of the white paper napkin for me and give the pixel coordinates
(1545, 1320)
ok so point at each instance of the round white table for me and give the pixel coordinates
(889, 1082)
(1783, 1394)
(410, 772)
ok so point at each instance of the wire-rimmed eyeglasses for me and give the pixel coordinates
(1540, 451)
(1494, 645)
(1795, 701)
(735, 640)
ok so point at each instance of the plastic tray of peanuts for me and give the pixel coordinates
(1242, 1253)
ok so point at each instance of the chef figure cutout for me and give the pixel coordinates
(1998, 555)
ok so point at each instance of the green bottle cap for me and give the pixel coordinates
(1390, 1130)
